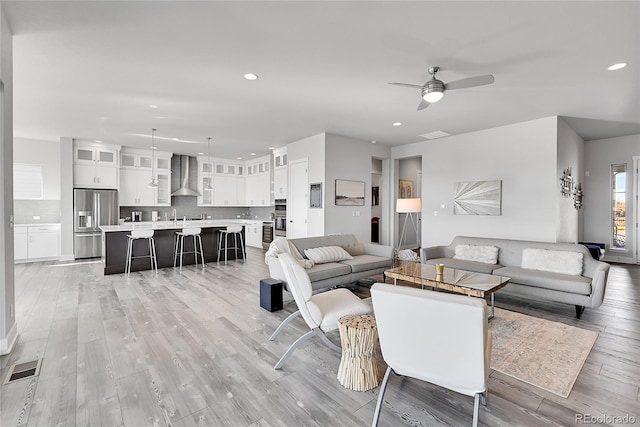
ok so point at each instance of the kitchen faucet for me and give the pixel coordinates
(174, 214)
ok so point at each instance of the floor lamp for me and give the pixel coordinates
(409, 207)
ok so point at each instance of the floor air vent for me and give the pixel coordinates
(20, 371)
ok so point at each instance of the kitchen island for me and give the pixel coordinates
(114, 243)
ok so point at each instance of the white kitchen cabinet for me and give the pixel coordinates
(205, 179)
(280, 158)
(227, 179)
(258, 182)
(134, 190)
(253, 234)
(163, 192)
(228, 190)
(135, 160)
(95, 165)
(135, 175)
(36, 242)
(95, 154)
(163, 162)
(20, 242)
(44, 241)
(280, 183)
(92, 176)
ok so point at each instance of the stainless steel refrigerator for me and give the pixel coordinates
(91, 209)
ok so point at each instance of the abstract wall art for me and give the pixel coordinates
(477, 198)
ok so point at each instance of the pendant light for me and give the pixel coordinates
(153, 183)
(208, 186)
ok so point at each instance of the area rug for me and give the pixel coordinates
(546, 354)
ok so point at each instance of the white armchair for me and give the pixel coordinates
(321, 311)
(435, 337)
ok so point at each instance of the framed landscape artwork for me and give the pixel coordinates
(406, 189)
(477, 198)
(349, 193)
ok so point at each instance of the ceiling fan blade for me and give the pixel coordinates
(470, 82)
(407, 85)
(423, 104)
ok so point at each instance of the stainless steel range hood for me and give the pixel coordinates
(185, 182)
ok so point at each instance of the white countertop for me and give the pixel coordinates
(172, 225)
(36, 224)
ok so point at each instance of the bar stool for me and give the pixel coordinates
(235, 230)
(136, 235)
(179, 246)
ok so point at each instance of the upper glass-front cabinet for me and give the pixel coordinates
(102, 156)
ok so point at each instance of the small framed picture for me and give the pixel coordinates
(349, 193)
(406, 189)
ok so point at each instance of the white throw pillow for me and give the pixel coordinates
(326, 254)
(484, 254)
(565, 262)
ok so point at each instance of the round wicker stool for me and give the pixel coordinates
(358, 368)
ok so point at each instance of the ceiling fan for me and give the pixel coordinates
(433, 90)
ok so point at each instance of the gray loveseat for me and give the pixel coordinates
(585, 290)
(368, 260)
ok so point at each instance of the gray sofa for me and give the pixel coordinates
(586, 290)
(368, 260)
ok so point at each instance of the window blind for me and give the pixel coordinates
(27, 181)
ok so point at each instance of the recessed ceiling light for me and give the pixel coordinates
(238, 158)
(98, 141)
(272, 148)
(176, 139)
(253, 154)
(153, 106)
(374, 142)
(251, 76)
(200, 154)
(617, 66)
(396, 124)
(153, 147)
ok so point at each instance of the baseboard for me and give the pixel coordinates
(619, 259)
(6, 344)
(67, 257)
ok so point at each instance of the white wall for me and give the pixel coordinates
(8, 329)
(46, 154)
(570, 152)
(312, 148)
(599, 156)
(350, 159)
(522, 155)
(66, 199)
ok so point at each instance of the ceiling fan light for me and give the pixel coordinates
(433, 96)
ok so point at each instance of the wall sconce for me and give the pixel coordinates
(577, 197)
(566, 183)
(567, 190)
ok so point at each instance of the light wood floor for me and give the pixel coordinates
(191, 349)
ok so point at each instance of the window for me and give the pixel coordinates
(618, 206)
(27, 181)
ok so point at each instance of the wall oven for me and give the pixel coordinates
(280, 222)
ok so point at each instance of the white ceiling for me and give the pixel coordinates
(90, 70)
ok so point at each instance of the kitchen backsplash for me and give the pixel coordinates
(24, 211)
(186, 206)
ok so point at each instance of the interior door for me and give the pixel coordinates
(298, 203)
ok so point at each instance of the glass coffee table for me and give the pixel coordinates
(479, 285)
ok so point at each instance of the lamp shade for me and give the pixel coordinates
(409, 205)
